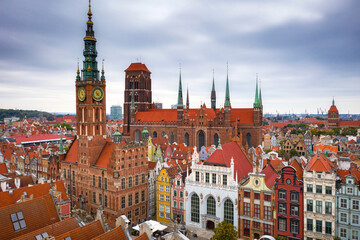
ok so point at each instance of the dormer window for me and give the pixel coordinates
(18, 221)
(41, 236)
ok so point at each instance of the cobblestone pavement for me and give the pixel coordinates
(202, 234)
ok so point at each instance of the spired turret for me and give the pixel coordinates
(213, 94)
(180, 104)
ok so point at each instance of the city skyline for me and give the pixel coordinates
(287, 44)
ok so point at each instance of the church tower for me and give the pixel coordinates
(180, 104)
(90, 101)
(138, 87)
(333, 116)
(258, 106)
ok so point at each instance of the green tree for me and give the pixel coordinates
(281, 153)
(337, 130)
(65, 125)
(280, 238)
(293, 153)
(349, 131)
(313, 132)
(225, 231)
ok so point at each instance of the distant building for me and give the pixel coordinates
(116, 112)
(159, 105)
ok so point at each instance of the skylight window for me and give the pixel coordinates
(41, 236)
(18, 221)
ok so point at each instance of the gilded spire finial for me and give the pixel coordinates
(103, 65)
(89, 12)
(78, 71)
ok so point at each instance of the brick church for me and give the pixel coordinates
(201, 126)
(102, 174)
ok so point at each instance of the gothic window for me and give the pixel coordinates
(172, 138)
(201, 139)
(211, 206)
(163, 134)
(154, 134)
(248, 139)
(229, 211)
(216, 139)
(137, 136)
(186, 139)
(195, 210)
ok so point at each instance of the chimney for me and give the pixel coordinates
(17, 182)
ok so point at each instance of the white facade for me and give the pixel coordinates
(153, 173)
(207, 183)
(319, 207)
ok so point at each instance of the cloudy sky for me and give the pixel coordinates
(305, 51)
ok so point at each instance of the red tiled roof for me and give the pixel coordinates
(350, 123)
(54, 230)
(3, 168)
(114, 234)
(142, 237)
(105, 155)
(37, 214)
(86, 232)
(320, 163)
(38, 138)
(270, 176)
(299, 170)
(137, 67)
(242, 165)
(25, 180)
(333, 108)
(151, 165)
(209, 112)
(159, 141)
(71, 155)
(157, 115)
(242, 115)
(38, 190)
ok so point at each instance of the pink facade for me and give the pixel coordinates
(177, 198)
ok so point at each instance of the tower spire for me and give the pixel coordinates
(213, 93)
(102, 71)
(333, 101)
(180, 95)
(187, 99)
(256, 102)
(78, 71)
(260, 98)
(227, 94)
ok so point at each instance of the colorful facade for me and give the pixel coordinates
(178, 197)
(163, 192)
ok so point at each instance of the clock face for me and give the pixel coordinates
(98, 94)
(81, 94)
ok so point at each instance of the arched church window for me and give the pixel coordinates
(154, 134)
(248, 139)
(195, 208)
(163, 134)
(137, 136)
(229, 211)
(172, 138)
(216, 139)
(201, 139)
(186, 139)
(211, 206)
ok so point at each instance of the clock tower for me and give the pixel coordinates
(90, 101)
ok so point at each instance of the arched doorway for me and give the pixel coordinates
(216, 139)
(201, 139)
(256, 236)
(210, 225)
(186, 140)
(248, 139)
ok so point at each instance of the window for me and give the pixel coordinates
(93, 180)
(99, 185)
(229, 211)
(106, 201)
(267, 213)
(175, 204)
(181, 205)
(309, 188)
(355, 235)
(167, 198)
(136, 180)
(167, 188)
(162, 208)
(161, 188)
(294, 226)
(267, 229)
(195, 210)
(355, 204)
(328, 190)
(207, 177)
(94, 197)
(143, 195)
(267, 197)
(197, 176)
(41, 236)
(257, 210)
(161, 197)
(123, 202)
(143, 178)
(328, 229)
(343, 217)
(175, 193)
(246, 228)
(309, 225)
(247, 194)
(181, 194)
(137, 211)
(282, 208)
(318, 226)
(211, 206)
(257, 225)
(257, 195)
(100, 199)
(355, 219)
(294, 196)
(247, 209)
(130, 182)
(129, 215)
(282, 224)
(130, 200)
(213, 178)
(343, 203)
(18, 221)
(136, 198)
(349, 190)
(282, 194)
(309, 206)
(105, 183)
(343, 232)
(123, 184)
(224, 180)
(319, 189)
(318, 206)
(294, 210)
(328, 207)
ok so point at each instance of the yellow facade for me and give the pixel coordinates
(163, 196)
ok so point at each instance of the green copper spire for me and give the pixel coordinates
(213, 93)
(180, 95)
(117, 136)
(256, 103)
(102, 71)
(132, 107)
(145, 134)
(61, 148)
(260, 98)
(333, 101)
(227, 95)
